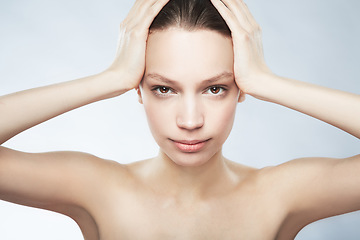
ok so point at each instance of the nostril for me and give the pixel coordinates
(190, 115)
(190, 124)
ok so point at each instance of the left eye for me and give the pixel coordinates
(163, 90)
(215, 90)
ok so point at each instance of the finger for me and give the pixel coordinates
(228, 16)
(135, 8)
(237, 7)
(250, 17)
(143, 4)
(154, 11)
(143, 8)
(147, 13)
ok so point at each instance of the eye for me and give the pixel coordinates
(216, 90)
(162, 90)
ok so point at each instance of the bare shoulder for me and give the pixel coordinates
(61, 161)
(304, 190)
(53, 178)
(297, 177)
(314, 188)
(310, 171)
(309, 184)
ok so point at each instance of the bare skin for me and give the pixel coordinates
(168, 197)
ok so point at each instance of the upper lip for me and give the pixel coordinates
(190, 142)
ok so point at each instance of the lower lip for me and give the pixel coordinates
(190, 147)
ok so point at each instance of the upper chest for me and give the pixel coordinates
(144, 215)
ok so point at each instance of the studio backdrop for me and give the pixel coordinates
(44, 42)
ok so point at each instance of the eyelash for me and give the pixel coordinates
(221, 90)
(156, 90)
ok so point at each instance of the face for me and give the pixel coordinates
(189, 93)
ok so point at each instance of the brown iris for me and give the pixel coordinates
(163, 89)
(215, 90)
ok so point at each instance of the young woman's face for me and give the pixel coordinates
(189, 93)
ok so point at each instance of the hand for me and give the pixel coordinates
(129, 63)
(249, 63)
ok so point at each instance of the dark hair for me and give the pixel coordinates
(190, 15)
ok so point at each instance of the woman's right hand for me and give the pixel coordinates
(129, 63)
(125, 73)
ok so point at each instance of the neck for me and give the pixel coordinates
(206, 179)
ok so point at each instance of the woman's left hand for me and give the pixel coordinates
(249, 63)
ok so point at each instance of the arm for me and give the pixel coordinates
(22, 110)
(315, 187)
(50, 180)
(338, 108)
(253, 76)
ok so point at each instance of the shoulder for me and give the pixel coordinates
(296, 177)
(314, 188)
(293, 184)
(300, 169)
(97, 172)
(304, 171)
(62, 177)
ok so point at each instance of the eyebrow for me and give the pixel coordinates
(206, 81)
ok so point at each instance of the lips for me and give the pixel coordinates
(190, 146)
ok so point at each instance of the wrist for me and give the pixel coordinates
(276, 89)
(115, 81)
(106, 84)
(260, 85)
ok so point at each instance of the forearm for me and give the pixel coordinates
(338, 108)
(22, 110)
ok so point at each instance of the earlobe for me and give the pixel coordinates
(241, 97)
(139, 95)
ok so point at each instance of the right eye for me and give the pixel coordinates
(162, 90)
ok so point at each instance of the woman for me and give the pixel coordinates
(189, 87)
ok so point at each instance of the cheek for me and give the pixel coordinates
(222, 118)
(158, 116)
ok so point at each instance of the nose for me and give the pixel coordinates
(190, 114)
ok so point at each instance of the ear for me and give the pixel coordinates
(241, 97)
(138, 90)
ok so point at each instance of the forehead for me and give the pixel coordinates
(178, 54)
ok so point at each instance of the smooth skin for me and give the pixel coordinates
(170, 197)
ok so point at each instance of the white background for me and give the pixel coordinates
(44, 42)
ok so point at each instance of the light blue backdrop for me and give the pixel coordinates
(44, 42)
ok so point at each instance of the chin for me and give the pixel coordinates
(190, 159)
